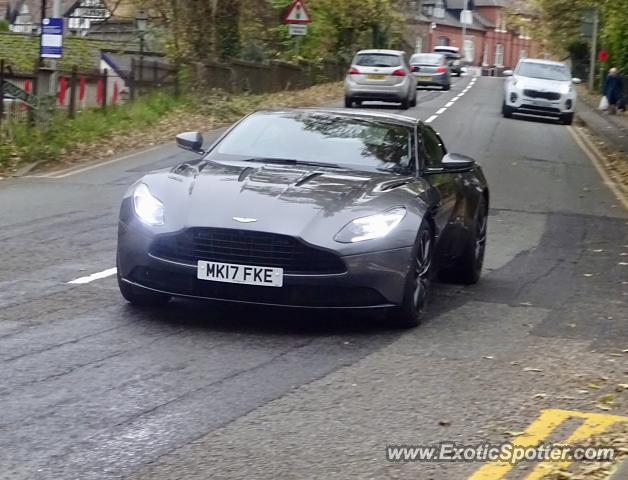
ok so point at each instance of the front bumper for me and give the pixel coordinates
(372, 280)
(541, 107)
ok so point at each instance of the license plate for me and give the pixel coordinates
(541, 103)
(243, 274)
(425, 79)
(375, 76)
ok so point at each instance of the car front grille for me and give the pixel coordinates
(246, 248)
(545, 95)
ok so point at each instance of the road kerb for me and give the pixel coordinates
(597, 158)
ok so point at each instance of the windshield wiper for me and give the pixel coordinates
(289, 161)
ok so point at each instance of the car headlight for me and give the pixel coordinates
(148, 208)
(371, 227)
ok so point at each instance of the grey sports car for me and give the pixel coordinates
(307, 208)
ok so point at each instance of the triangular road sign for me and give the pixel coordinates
(297, 13)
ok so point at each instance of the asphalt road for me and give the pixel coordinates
(91, 388)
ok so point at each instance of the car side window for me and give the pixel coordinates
(433, 147)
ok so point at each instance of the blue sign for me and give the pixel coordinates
(51, 38)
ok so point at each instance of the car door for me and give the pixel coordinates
(446, 184)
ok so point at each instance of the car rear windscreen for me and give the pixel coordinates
(377, 60)
(426, 60)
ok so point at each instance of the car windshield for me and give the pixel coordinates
(426, 60)
(543, 71)
(377, 60)
(321, 138)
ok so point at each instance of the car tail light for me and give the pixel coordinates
(353, 71)
(441, 69)
(400, 72)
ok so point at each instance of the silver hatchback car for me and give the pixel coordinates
(380, 75)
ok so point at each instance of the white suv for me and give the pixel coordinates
(540, 87)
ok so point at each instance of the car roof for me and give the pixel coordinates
(339, 112)
(541, 60)
(387, 52)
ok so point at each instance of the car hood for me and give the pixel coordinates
(303, 201)
(541, 84)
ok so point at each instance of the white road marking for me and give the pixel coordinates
(74, 170)
(442, 110)
(94, 276)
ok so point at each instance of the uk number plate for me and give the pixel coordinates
(243, 274)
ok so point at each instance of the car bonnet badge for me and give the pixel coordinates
(245, 220)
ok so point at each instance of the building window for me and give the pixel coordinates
(442, 42)
(439, 10)
(469, 50)
(418, 45)
(499, 55)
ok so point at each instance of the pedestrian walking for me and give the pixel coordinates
(613, 90)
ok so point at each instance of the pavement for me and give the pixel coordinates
(614, 128)
(92, 388)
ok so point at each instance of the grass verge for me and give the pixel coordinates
(150, 120)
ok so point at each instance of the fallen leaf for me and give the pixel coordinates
(588, 274)
(606, 399)
(593, 386)
(514, 434)
(489, 357)
(540, 396)
(444, 423)
(530, 369)
(603, 407)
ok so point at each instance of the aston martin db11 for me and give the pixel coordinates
(307, 208)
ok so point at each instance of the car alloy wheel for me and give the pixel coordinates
(423, 262)
(416, 291)
(480, 238)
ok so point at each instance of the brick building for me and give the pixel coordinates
(497, 37)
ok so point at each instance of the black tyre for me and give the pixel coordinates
(141, 298)
(348, 102)
(413, 101)
(506, 111)
(567, 118)
(358, 103)
(468, 268)
(405, 103)
(446, 87)
(411, 312)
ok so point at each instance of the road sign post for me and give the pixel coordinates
(297, 18)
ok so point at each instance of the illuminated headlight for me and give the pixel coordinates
(149, 209)
(371, 227)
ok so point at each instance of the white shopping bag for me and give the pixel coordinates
(603, 103)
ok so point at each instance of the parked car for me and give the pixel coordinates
(431, 70)
(380, 75)
(307, 208)
(542, 88)
(454, 59)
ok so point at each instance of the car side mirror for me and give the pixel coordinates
(192, 141)
(454, 163)
(576, 80)
(507, 73)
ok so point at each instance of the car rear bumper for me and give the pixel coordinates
(390, 93)
(372, 280)
(434, 80)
